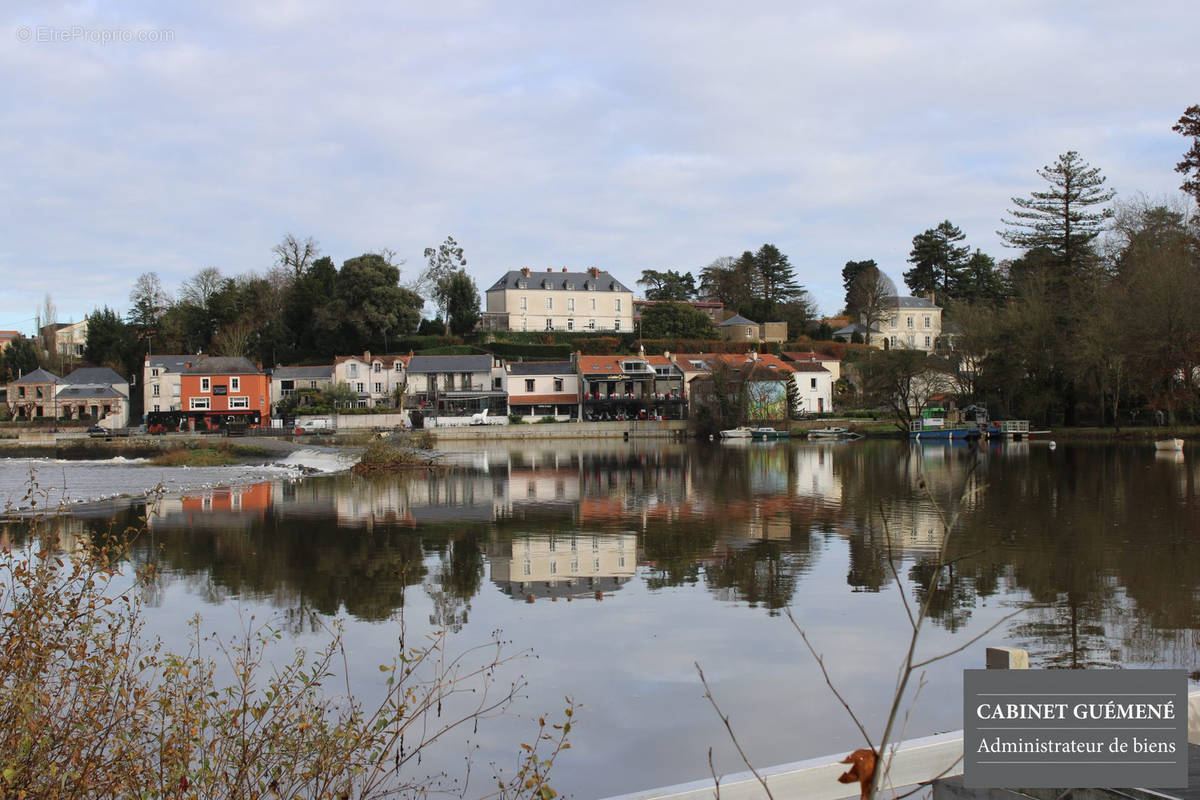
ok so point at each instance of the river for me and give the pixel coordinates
(622, 565)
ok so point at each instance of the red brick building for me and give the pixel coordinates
(220, 392)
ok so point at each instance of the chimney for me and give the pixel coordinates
(367, 356)
(564, 269)
(525, 271)
(549, 269)
(594, 272)
(189, 365)
(929, 296)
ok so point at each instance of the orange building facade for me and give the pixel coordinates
(219, 392)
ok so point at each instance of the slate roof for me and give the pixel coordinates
(81, 391)
(914, 302)
(222, 365)
(303, 373)
(737, 319)
(39, 375)
(854, 328)
(480, 363)
(541, 367)
(102, 376)
(604, 281)
(171, 363)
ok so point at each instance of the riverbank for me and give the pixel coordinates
(165, 451)
(1135, 434)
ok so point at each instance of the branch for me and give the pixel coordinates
(732, 736)
(829, 681)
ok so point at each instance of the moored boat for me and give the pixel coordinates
(828, 432)
(1171, 445)
(740, 432)
(764, 434)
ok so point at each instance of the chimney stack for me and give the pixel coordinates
(525, 271)
(549, 269)
(594, 272)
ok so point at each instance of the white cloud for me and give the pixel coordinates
(622, 135)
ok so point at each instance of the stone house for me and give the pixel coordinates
(524, 300)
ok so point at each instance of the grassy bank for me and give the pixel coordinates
(165, 452)
(220, 454)
(1135, 434)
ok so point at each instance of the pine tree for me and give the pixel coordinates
(776, 278)
(1064, 217)
(1189, 125)
(937, 259)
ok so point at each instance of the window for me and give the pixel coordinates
(570, 304)
(241, 401)
(549, 303)
(558, 384)
(20, 391)
(749, 332)
(617, 305)
(154, 373)
(893, 340)
(591, 324)
(496, 386)
(378, 366)
(570, 285)
(359, 387)
(524, 302)
(175, 390)
(156, 407)
(570, 324)
(529, 384)
(549, 324)
(378, 388)
(205, 385)
(235, 384)
(813, 383)
(352, 370)
(154, 390)
(908, 321)
(522, 283)
(927, 322)
(199, 403)
(465, 379)
(927, 341)
(617, 325)
(312, 384)
(593, 304)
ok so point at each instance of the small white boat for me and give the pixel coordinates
(1174, 445)
(828, 433)
(740, 432)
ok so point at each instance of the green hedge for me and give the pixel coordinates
(532, 352)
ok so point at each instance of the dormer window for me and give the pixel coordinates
(378, 367)
(569, 285)
(522, 283)
(589, 285)
(546, 284)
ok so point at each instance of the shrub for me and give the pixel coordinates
(89, 709)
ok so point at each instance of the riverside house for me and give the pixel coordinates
(221, 392)
(456, 386)
(34, 395)
(538, 389)
(374, 378)
(524, 300)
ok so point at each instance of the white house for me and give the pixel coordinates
(523, 300)
(539, 389)
(161, 382)
(374, 378)
(911, 323)
(814, 384)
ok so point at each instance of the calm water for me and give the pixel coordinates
(622, 565)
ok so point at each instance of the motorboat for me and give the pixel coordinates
(828, 432)
(1169, 445)
(740, 432)
(766, 434)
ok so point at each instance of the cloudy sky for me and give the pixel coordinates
(623, 135)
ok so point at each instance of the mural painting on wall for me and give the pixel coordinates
(768, 400)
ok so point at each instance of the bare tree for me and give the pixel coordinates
(296, 256)
(873, 294)
(201, 288)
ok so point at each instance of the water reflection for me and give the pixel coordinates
(1101, 539)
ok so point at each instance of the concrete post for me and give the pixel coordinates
(1007, 658)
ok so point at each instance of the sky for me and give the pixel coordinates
(170, 137)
